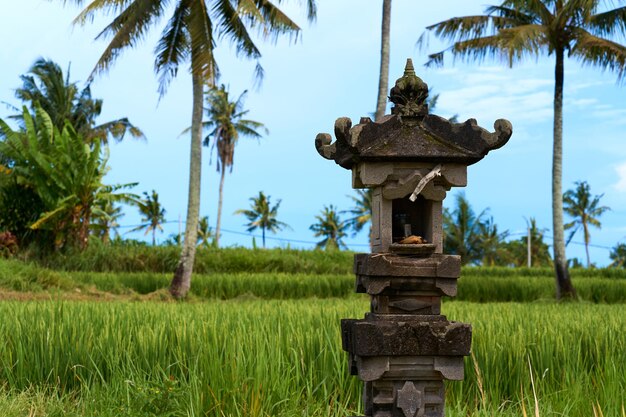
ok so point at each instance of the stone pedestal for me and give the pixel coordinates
(404, 349)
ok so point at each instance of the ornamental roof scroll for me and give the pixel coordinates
(410, 133)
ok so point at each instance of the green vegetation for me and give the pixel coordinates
(284, 274)
(585, 211)
(329, 226)
(128, 257)
(284, 358)
(262, 215)
(63, 172)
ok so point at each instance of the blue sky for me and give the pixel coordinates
(331, 71)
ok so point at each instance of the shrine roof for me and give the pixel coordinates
(410, 134)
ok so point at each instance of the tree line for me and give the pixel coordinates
(511, 31)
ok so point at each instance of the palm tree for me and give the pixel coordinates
(46, 85)
(463, 231)
(585, 210)
(106, 219)
(205, 234)
(361, 212)
(262, 215)
(189, 36)
(331, 228)
(226, 124)
(492, 244)
(517, 29)
(152, 215)
(383, 80)
(618, 255)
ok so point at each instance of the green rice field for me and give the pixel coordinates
(250, 357)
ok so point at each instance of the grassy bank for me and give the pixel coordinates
(163, 259)
(283, 358)
(476, 284)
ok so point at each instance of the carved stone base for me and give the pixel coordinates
(400, 398)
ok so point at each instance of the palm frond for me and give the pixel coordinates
(510, 15)
(466, 27)
(200, 30)
(129, 27)
(88, 14)
(608, 23)
(522, 40)
(231, 27)
(535, 8)
(601, 53)
(276, 21)
(173, 47)
(475, 49)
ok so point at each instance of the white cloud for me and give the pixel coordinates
(621, 174)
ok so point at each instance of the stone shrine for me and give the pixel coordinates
(404, 349)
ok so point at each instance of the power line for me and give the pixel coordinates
(308, 242)
(279, 239)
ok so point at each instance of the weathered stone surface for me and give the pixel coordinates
(381, 338)
(406, 174)
(381, 265)
(399, 302)
(434, 139)
(405, 368)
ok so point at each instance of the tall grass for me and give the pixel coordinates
(163, 259)
(19, 276)
(283, 358)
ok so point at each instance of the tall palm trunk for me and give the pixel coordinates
(383, 81)
(263, 235)
(182, 277)
(586, 231)
(564, 287)
(218, 227)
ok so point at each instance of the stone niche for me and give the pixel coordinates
(394, 215)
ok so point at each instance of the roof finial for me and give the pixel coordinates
(409, 69)
(409, 96)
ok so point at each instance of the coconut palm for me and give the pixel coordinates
(493, 248)
(190, 35)
(383, 80)
(361, 212)
(585, 210)
(618, 256)
(106, 220)
(584, 29)
(205, 234)
(226, 125)
(463, 231)
(262, 215)
(331, 228)
(152, 215)
(46, 85)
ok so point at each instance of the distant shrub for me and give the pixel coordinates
(8, 244)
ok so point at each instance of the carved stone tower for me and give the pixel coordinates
(404, 348)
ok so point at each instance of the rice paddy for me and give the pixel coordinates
(283, 358)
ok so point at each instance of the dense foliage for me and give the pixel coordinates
(63, 173)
